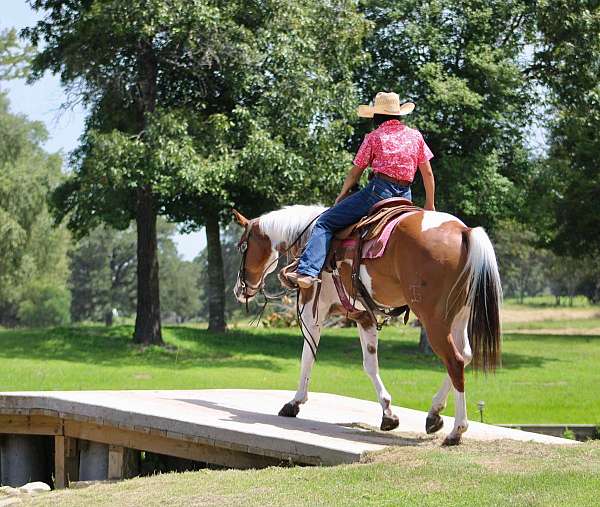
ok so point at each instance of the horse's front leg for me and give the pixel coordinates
(311, 329)
(368, 342)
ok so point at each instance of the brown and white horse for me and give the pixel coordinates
(445, 271)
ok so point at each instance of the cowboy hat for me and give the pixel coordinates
(386, 103)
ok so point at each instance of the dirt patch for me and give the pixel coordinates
(573, 331)
(539, 314)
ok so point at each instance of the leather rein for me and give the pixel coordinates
(242, 247)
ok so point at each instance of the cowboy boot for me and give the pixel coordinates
(300, 280)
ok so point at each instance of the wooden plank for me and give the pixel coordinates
(160, 444)
(66, 461)
(71, 459)
(116, 454)
(60, 476)
(30, 425)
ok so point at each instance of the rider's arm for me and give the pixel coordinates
(429, 183)
(351, 179)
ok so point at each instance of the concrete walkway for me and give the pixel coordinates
(330, 429)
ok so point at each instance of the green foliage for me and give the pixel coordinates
(521, 261)
(45, 305)
(14, 58)
(567, 62)
(103, 276)
(31, 249)
(179, 292)
(461, 62)
(103, 268)
(255, 116)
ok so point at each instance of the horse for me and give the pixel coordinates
(443, 270)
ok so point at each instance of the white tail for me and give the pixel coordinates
(484, 296)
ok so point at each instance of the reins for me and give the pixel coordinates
(260, 288)
(243, 248)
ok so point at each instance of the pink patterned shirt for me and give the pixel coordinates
(394, 150)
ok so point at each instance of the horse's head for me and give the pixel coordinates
(259, 258)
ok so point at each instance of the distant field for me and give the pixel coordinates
(547, 377)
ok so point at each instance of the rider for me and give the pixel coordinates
(394, 152)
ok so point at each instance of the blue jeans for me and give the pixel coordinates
(347, 212)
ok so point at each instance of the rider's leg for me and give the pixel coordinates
(347, 212)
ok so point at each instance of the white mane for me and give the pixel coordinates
(286, 224)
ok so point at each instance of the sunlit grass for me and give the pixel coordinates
(546, 378)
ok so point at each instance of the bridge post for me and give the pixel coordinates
(66, 461)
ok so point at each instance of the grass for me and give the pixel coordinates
(491, 473)
(546, 378)
(549, 376)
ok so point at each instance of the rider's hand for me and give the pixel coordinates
(339, 198)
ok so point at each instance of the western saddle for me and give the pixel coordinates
(348, 245)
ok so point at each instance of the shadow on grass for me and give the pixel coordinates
(259, 348)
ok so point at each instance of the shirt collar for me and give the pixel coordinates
(391, 123)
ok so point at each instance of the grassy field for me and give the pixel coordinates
(491, 473)
(550, 374)
(547, 377)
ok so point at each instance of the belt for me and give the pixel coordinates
(385, 177)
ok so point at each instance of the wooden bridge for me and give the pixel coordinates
(96, 435)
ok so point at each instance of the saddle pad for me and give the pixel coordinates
(375, 248)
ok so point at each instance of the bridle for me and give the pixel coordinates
(242, 247)
(260, 288)
(245, 285)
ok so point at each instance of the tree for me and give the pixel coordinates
(567, 64)
(231, 264)
(103, 268)
(32, 252)
(521, 261)
(463, 64)
(179, 292)
(14, 58)
(196, 106)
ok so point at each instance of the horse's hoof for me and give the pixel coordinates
(290, 410)
(389, 422)
(451, 440)
(433, 423)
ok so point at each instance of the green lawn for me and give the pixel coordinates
(491, 473)
(544, 379)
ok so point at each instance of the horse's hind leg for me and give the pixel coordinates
(454, 350)
(461, 342)
(368, 342)
(459, 335)
(434, 422)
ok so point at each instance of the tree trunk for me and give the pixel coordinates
(147, 320)
(216, 278)
(424, 347)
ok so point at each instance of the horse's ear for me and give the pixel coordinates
(240, 219)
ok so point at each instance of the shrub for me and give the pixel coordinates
(45, 305)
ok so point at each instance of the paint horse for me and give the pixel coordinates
(443, 270)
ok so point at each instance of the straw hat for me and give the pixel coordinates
(386, 103)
